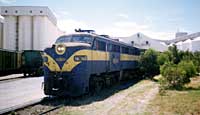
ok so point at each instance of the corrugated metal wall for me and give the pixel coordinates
(1, 35)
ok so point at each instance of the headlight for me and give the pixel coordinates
(60, 49)
(80, 58)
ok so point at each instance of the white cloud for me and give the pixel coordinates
(69, 25)
(131, 25)
(7, 1)
(60, 14)
(117, 29)
(124, 29)
(123, 16)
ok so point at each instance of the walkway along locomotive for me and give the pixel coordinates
(84, 61)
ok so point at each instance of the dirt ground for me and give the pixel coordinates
(132, 100)
(128, 98)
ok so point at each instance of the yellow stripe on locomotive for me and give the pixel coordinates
(90, 55)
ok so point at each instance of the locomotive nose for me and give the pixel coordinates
(60, 49)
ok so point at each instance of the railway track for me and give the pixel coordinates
(61, 103)
(14, 108)
(57, 107)
(51, 104)
(54, 101)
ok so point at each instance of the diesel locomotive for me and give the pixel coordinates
(86, 62)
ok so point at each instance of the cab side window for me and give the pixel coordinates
(131, 51)
(125, 50)
(100, 45)
(115, 48)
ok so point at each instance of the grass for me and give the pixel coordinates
(176, 102)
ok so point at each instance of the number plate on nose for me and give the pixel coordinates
(60, 59)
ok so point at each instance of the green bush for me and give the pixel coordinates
(189, 68)
(174, 52)
(173, 76)
(163, 58)
(196, 60)
(148, 63)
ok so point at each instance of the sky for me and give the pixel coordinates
(158, 19)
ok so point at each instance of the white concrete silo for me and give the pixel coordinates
(25, 33)
(38, 31)
(29, 27)
(10, 32)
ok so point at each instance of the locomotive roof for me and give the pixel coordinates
(96, 35)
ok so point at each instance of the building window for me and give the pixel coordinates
(30, 11)
(147, 42)
(16, 11)
(138, 35)
(40, 11)
(6, 11)
(132, 42)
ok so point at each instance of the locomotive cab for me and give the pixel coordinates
(66, 65)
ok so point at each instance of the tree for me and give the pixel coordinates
(163, 58)
(196, 60)
(176, 75)
(173, 76)
(189, 68)
(148, 63)
(175, 54)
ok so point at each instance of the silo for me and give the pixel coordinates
(10, 32)
(25, 32)
(51, 34)
(38, 32)
(28, 27)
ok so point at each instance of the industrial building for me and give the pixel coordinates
(28, 27)
(142, 41)
(185, 41)
(1, 31)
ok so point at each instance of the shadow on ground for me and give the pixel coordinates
(87, 99)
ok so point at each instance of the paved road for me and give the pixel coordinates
(15, 93)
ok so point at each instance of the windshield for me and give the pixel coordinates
(75, 38)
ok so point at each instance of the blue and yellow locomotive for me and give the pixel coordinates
(84, 61)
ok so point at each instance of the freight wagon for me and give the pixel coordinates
(10, 62)
(28, 62)
(32, 63)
